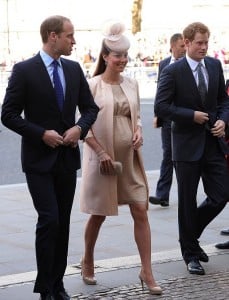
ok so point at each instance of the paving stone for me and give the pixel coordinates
(209, 287)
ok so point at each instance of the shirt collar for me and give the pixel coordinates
(173, 59)
(47, 59)
(193, 63)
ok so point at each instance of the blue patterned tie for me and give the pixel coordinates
(57, 85)
(202, 84)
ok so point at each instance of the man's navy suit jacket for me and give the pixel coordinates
(30, 108)
(162, 64)
(177, 98)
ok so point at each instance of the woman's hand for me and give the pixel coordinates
(106, 166)
(137, 138)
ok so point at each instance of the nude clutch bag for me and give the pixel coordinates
(117, 169)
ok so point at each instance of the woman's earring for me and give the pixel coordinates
(105, 62)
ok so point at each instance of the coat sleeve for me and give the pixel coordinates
(87, 107)
(164, 106)
(14, 104)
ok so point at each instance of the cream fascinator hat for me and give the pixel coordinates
(114, 38)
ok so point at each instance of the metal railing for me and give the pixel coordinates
(140, 73)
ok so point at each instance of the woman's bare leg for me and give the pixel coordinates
(90, 237)
(142, 235)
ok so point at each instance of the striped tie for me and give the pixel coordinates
(57, 85)
(201, 84)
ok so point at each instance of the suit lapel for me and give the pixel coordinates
(42, 73)
(44, 80)
(189, 77)
(67, 76)
(211, 75)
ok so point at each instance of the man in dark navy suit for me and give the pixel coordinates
(50, 152)
(192, 94)
(177, 49)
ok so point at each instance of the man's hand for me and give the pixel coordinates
(52, 138)
(200, 117)
(218, 129)
(71, 136)
(155, 120)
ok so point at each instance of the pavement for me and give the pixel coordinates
(117, 263)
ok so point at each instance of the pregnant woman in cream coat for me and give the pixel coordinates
(115, 136)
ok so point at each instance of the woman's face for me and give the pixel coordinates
(117, 61)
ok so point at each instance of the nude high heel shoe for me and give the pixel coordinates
(156, 290)
(89, 280)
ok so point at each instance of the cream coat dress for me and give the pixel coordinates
(116, 122)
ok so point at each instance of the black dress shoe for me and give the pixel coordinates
(224, 231)
(194, 267)
(46, 296)
(223, 245)
(154, 200)
(61, 295)
(158, 201)
(164, 203)
(203, 257)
